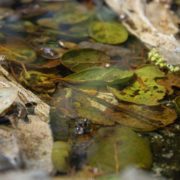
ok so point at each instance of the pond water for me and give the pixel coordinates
(110, 107)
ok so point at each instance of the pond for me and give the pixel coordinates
(111, 108)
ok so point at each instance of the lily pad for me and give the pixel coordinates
(117, 148)
(60, 155)
(108, 32)
(80, 59)
(144, 90)
(98, 76)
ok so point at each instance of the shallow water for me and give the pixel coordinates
(56, 39)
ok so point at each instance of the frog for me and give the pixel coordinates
(155, 57)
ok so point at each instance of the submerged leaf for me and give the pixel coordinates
(117, 148)
(144, 90)
(18, 53)
(177, 104)
(48, 22)
(170, 81)
(103, 108)
(80, 59)
(72, 13)
(60, 155)
(143, 118)
(38, 81)
(101, 76)
(108, 32)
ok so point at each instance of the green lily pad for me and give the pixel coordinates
(108, 32)
(101, 76)
(144, 90)
(117, 148)
(80, 59)
(60, 155)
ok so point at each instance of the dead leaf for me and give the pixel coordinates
(171, 80)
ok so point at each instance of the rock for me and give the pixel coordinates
(29, 142)
(137, 174)
(25, 175)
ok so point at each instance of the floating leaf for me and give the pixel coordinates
(67, 44)
(17, 52)
(38, 81)
(144, 90)
(117, 148)
(80, 59)
(88, 108)
(104, 109)
(170, 81)
(143, 118)
(101, 76)
(108, 32)
(72, 15)
(60, 155)
(124, 57)
(51, 64)
(78, 105)
(2, 37)
(48, 22)
(59, 125)
(177, 104)
(79, 31)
